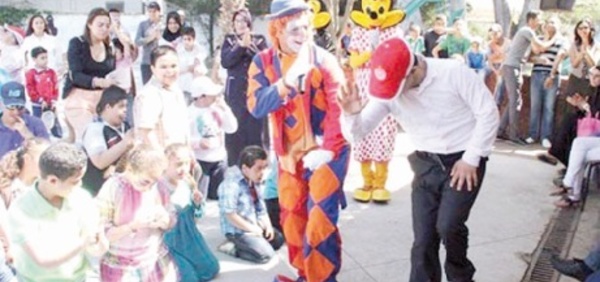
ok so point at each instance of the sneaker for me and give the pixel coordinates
(546, 143)
(518, 142)
(575, 268)
(529, 140)
(228, 248)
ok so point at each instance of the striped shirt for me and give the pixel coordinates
(551, 54)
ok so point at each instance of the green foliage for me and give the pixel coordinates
(583, 9)
(429, 10)
(15, 16)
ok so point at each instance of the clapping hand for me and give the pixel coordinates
(578, 101)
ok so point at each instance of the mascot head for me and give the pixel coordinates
(289, 24)
(372, 14)
(321, 16)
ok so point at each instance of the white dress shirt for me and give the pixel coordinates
(451, 111)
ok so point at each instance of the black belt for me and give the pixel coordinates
(445, 160)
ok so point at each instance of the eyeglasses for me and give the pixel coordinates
(583, 28)
(15, 107)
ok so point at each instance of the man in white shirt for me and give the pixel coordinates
(452, 119)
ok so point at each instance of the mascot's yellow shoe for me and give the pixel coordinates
(381, 195)
(363, 194)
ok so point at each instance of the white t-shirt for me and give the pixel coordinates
(93, 138)
(187, 59)
(163, 111)
(208, 126)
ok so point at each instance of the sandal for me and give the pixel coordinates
(560, 191)
(566, 202)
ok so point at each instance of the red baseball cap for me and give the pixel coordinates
(390, 65)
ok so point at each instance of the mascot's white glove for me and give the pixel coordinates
(296, 74)
(316, 158)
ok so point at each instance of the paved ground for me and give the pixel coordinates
(507, 221)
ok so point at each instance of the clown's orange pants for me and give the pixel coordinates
(310, 204)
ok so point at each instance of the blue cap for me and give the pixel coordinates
(282, 8)
(13, 94)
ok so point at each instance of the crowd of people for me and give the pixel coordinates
(125, 176)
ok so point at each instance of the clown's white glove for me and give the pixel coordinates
(316, 158)
(296, 74)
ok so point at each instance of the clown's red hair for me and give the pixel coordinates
(279, 24)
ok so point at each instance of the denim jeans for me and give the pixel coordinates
(593, 258)
(542, 105)
(256, 249)
(511, 77)
(500, 92)
(146, 73)
(7, 274)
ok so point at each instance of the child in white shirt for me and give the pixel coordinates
(191, 60)
(210, 119)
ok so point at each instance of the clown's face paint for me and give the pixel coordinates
(297, 32)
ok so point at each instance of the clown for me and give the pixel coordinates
(296, 83)
(375, 22)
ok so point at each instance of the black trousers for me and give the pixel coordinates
(215, 172)
(274, 210)
(439, 214)
(563, 137)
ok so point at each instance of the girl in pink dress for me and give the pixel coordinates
(136, 214)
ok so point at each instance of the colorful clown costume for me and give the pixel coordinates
(302, 123)
(377, 148)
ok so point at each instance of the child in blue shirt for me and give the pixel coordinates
(475, 57)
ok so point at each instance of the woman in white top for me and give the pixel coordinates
(584, 54)
(37, 34)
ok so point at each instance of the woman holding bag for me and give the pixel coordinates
(90, 59)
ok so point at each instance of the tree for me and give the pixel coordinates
(502, 14)
(340, 15)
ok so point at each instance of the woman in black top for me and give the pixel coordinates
(90, 59)
(236, 55)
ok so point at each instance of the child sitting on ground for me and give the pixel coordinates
(244, 219)
(193, 257)
(107, 140)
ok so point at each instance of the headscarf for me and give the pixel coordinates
(167, 34)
